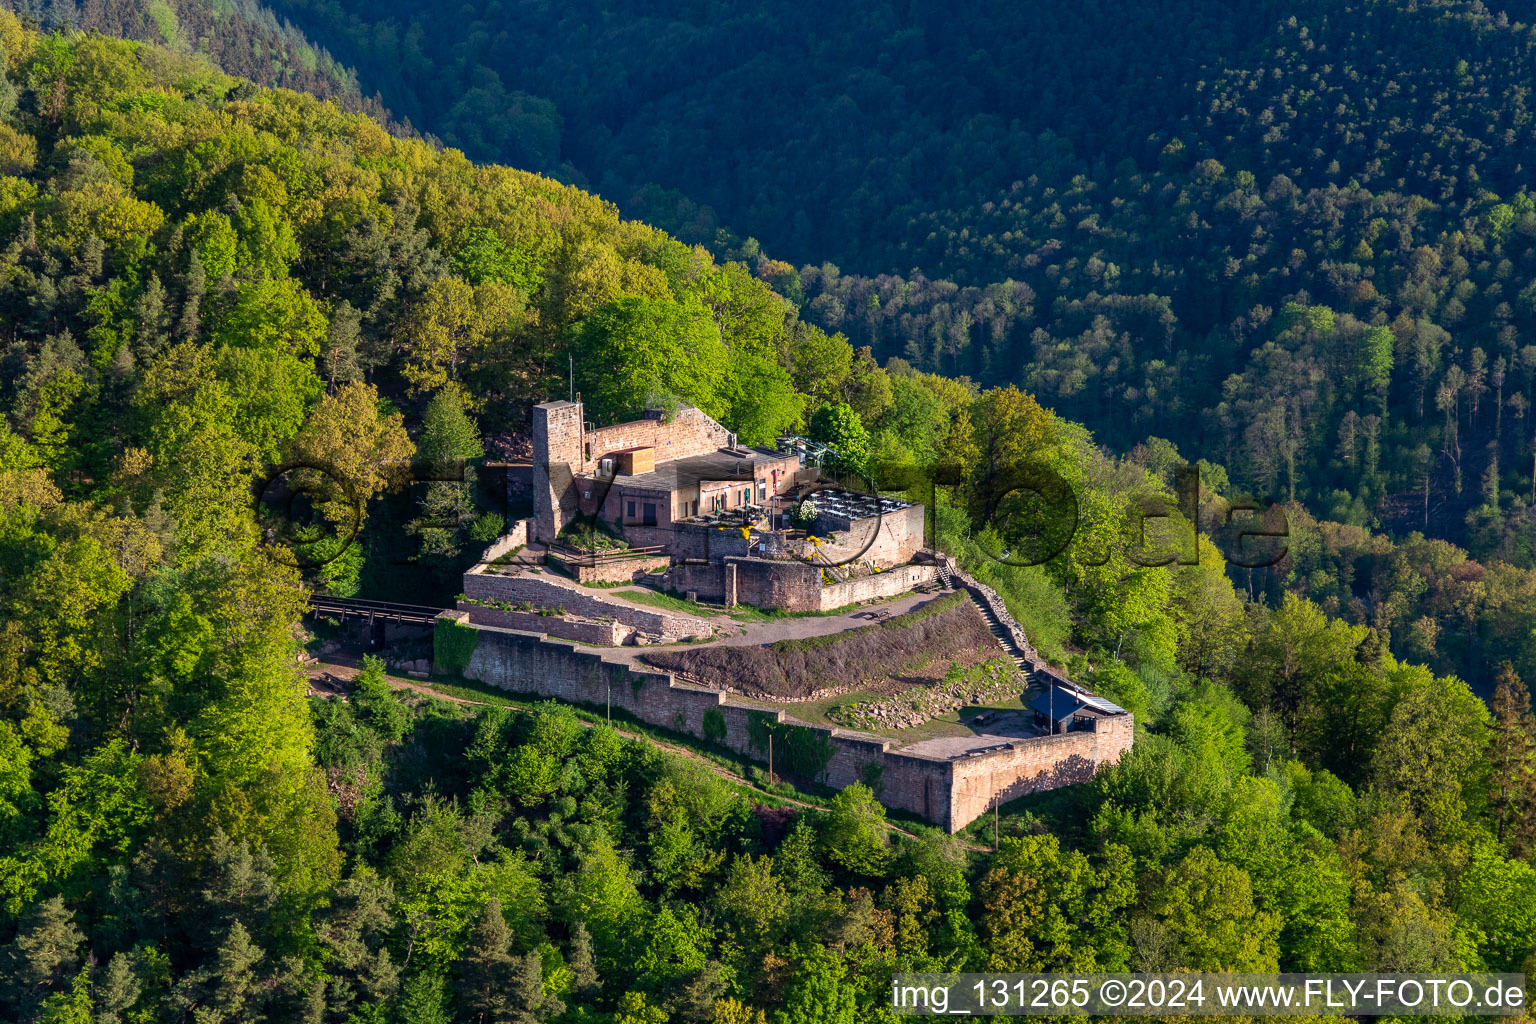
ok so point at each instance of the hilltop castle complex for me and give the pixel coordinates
(650, 533)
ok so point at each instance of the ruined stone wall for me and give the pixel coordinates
(694, 542)
(890, 583)
(707, 581)
(798, 587)
(885, 540)
(515, 537)
(552, 592)
(948, 792)
(618, 570)
(599, 632)
(790, 585)
(563, 448)
(531, 664)
(691, 432)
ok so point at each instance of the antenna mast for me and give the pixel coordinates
(572, 357)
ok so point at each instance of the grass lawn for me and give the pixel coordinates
(657, 599)
(952, 723)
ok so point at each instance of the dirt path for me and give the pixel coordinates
(333, 679)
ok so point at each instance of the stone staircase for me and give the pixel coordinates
(1004, 639)
(1010, 636)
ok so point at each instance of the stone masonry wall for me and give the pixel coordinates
(691, 432)
(557, 451)
(695, 542)
(790, 585)
(1030, 766)
(948, 792)
(617, 570)
(550, 592)
(599, 632)
(881, 585)
(707, 581)
(886, 540)
(515, 537)
(531, 664)
(798, 587)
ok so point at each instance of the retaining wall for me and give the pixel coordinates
(950, 792)
(1035, 765)
(600, 632)
(552, 592)
(880, 585)
(892, 538)
(790, 585)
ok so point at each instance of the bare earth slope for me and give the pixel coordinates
(940, 631)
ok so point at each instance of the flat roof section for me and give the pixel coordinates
(708, 468)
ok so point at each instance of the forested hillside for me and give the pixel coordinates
(1292, 238)
(201, 278)
(899, 120)
(241, 36)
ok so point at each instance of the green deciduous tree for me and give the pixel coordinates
(853, 833)
(1204, 906)
(634, 349)
(839, 427)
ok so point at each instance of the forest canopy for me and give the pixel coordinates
(201, 277)
(1295, 239)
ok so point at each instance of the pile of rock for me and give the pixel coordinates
(420, 668)
(994, 681)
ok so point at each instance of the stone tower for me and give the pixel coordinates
(557, 458)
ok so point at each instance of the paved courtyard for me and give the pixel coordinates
(998, 730)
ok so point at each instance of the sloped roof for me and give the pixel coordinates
(1065, 702)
